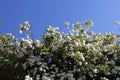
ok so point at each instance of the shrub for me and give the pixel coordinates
(79, 54)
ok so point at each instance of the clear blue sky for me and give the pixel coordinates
(41, 13)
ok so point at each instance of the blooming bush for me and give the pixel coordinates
(79, 54)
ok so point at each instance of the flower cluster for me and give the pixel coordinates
(25, 26)
(77, 55)
(27, 77)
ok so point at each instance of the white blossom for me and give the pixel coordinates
(78, 24)
(117, 22)
(89, 23)
(117, 78)
(45, 78)
(20, 31)
(37, 43)
(27, 77)
(95, 70)
(66, 24)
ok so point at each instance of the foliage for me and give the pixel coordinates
(79, 54)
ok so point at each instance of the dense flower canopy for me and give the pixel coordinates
(79, 54)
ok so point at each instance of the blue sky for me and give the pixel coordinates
(41, 13)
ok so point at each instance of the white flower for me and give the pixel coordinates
(104, 78)
(66, 24)
(95, 70)
(117, 22)
(117, 78)
(10, 35)
(37, 43)
(21, 27)
(53, 65)
(24, 66)
(91, 33)
(72, 30)
(80, 55)
(84, 32)
(26, 22)
(69, 75)
(54, 48)
(88, 45)
(78, 24)
(89, 23)
(68, 38)
(27, 77)
(30, 78)
(53, 75)
(71, 34)
(22, 39)
(27, 43)
(76, 43)
(112, 62)
(20, 31)
(48, 28)
(40, 69)
(45, 78)
(86, 63)
(80, 63)
(58, 75)
(83, 42)
(57, 28)
(63, 74)
(115, 56)
(114, 71)
(25, 26)
(62, 78)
